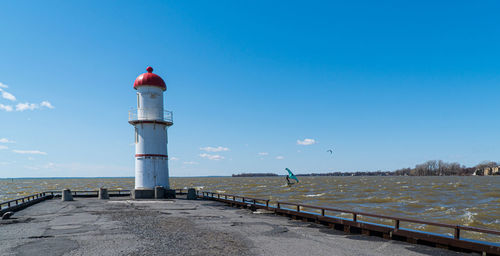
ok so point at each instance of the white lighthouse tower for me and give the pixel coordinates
(150, 122)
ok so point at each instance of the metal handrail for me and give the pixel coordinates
(355, 214)
(397, 219)
(22, 200)
(88, 191)
(149, 114)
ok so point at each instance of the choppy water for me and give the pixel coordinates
(471, 201)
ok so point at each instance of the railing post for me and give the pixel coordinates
(396, 225)
(457, 232)
(278, 205)
(254, 201)
(298, 208)
(267, 203)
(225, 197)
(8, 204)
(354, 217)
(322, 212)
(218, 195)
(234, 198)
(243, 199)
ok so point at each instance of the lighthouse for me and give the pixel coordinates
(150, 121)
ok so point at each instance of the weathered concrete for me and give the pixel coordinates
(159, 192)
(142, 194)
(103, 193)
(170, 193)
(191, 194)
(88, 226)
(66, 195)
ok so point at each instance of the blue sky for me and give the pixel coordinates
(386, 85)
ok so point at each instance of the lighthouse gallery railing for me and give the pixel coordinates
(147, 114)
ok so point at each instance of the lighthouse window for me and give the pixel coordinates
(138, 101)
(136, 136)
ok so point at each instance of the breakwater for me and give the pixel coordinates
(468, 201)
(356, 224)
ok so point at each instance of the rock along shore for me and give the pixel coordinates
(88, 226)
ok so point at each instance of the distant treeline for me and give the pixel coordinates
(254, 174)
(440, 168)
(429, 168)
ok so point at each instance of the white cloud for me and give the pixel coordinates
(262, 153)
(214, 149)
(306, 142)
(4, 140)
(211, 157)
(33, 106)
(31, 152)
(20, 106)
(190, 162)
(7, 108)
(3, 147)
(26, 106)
(8, 96)
(174, 158)
(280, 157)
(46, 104)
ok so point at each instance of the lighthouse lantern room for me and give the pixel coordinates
(150, 121)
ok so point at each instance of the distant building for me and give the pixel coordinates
(487, 171)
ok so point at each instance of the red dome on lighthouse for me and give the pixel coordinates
(149, 79)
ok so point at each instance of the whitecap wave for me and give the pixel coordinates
(316, 195)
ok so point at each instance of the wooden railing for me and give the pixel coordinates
(90, 193)
(243, 199)
(322, 215)
(396, 220)
(22, 200)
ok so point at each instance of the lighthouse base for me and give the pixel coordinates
(142, 194)
(151, 193)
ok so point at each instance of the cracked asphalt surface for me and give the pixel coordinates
(88, 226)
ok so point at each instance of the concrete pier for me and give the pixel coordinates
(103, 194)
(191, 194)
(66, 195)
(122, 226)
(159, 192)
